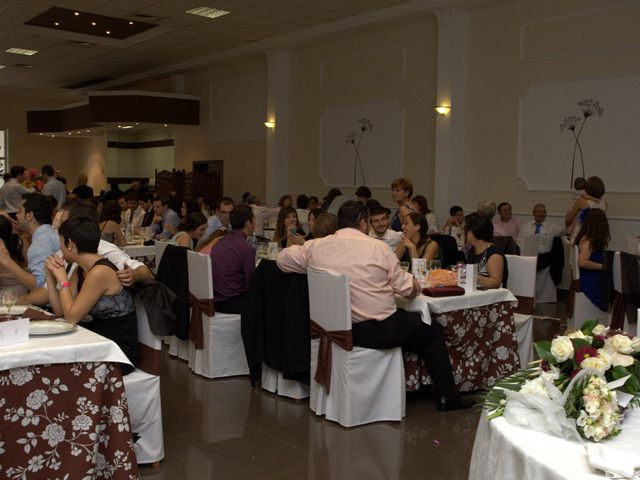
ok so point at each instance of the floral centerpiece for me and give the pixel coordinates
(579, 388)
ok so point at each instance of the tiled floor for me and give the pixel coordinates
(225, 429)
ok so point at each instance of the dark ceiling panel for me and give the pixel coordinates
(89, 23)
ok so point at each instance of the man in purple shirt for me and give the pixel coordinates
(233, 261)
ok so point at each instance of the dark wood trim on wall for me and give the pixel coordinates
(168, 142)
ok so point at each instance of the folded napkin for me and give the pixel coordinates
(33, 314)
(613, 462)
(443, 291)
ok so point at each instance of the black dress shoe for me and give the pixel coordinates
(456, 403)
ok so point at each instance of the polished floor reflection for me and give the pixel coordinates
(225, 429)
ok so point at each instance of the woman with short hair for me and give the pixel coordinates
(492, 265)
(401, 192)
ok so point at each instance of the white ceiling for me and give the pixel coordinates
(61, 62)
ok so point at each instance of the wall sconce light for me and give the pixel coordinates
(270, 124)
(443, 109)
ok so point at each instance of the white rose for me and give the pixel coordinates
(594, 362)
(600, 330)
(635, 344)
(619, 343)
(561, 349)
(603, 357)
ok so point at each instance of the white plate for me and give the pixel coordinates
(50, 327)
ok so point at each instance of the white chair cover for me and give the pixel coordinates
(583, 308)
(632, 245)
(223, 353)
(159, 247)
(143, 397)
(366, 385)
(530, 247)
(273, 381)
(522, 283)
(546, 291)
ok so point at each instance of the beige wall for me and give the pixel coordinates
(34, 151)
(366, 77)
(578, 39)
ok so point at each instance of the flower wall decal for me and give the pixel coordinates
(588, 107)
(355, 139)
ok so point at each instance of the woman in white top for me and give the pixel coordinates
(594, 191)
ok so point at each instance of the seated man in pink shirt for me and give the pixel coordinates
(374, 277)
(506, 225)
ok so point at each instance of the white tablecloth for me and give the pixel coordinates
(503, 452)
(427, 305)
(82, 345)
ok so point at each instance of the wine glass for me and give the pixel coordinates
(9, 299)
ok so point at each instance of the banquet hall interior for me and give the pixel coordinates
(467, 98)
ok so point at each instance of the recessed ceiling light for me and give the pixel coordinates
(68, 133)
(108, 32)
(165, 125)
(130, 23)
(21, 51)
(2, 66)
(41, 134)
(76, 13)
(56, 23)
(207, 12)
(93, 24)
(87, 131)
(127, 126)
(53, 136)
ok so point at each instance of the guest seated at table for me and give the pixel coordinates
(233, 262)
(134, 214)
(130, 271)
(375, 277)
(326, 224)
(492, 265)
(379, 219)
(415, 242)
(285, 201)
(220, 220)
(455, 220)
(110, 219)
(506, 225)
(592, 241)
(34, 217)
(313, 215)
(401, 192)
(288, 230)
(591, 199)
(422, 206)
(93, 289)
(164, 215)
(313, 203)
(12, 243)
(541, 227)
(146, 202)
(487, 209)
(191, 229)
(363, 193)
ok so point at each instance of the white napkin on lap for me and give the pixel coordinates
(615, 463)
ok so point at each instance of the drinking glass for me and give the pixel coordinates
(262, 251)
(9, 299)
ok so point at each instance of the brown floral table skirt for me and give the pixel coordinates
(482, 347)
(67, 420)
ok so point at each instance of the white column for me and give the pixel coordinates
(452, 79)
(277, 158)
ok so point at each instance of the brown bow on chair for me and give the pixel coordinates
(574, 287)
(342, 338)
(196, 334)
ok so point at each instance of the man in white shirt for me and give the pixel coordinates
(260, 214)
(53, 186)
(539, 226)
(12, 191)
(546, 231)
(379, 218)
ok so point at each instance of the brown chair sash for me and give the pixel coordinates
(618, 311)
(196, 333)
(342, 338)
(149, 359)
(525, 305)
(574, 287)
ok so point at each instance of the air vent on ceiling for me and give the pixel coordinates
(79, 44)
(87, 83)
